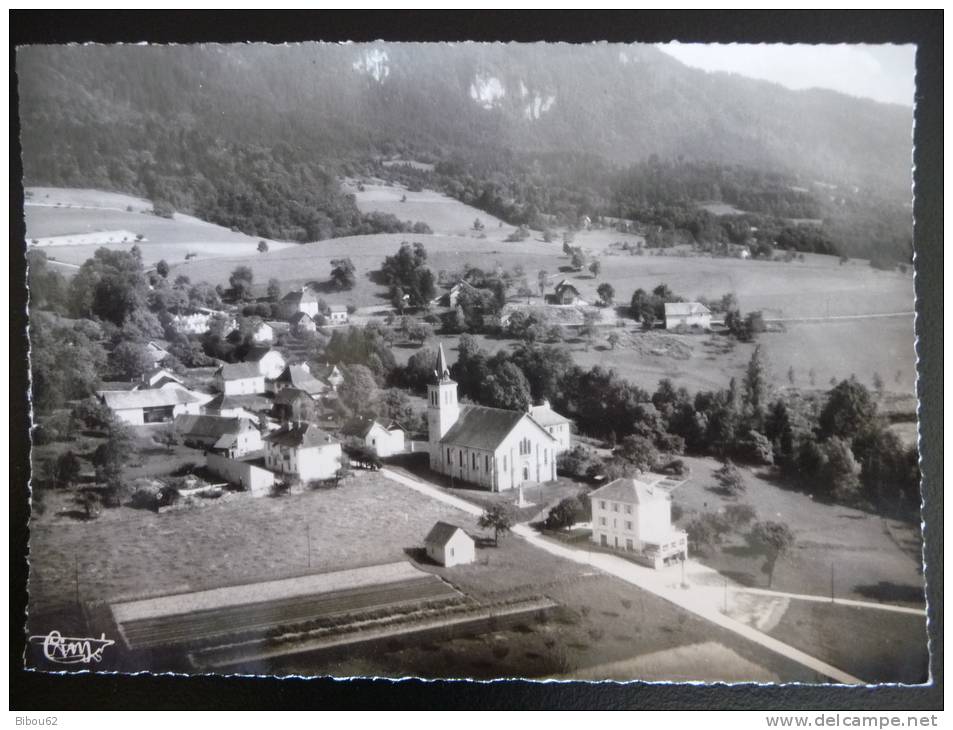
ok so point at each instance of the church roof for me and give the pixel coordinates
(480, 427)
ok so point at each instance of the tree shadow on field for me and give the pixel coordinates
(742, 577)
(890, 592)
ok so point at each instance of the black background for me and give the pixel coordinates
(37, 691)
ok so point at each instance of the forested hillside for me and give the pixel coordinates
(256, 137)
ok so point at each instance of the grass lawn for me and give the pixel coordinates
(874, 558)
(877, 646)
(134, 553)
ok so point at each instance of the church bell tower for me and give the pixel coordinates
(443, 410)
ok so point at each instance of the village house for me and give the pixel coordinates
(449, 545)
(450, 297)
(233, 406)
(492, 447)
(302, 324)
(239, 379)
(337, 314)
(160, 378)
(566, 293)
(278, 327)
(382, 440)
(558, 426)
(269, 362)
(687, 314)
(194, 323)
(262, 333)
(293, 405)
(157, 350)
(150, 405)
(232, 437)
(304, 300)
(302, 451)
(330, 374)
(300, 378)
(636, 516)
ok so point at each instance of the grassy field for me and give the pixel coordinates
(65, 211)
(876, 646)
(874, 558)
(132, 553)
(705, 362)
(444, 215)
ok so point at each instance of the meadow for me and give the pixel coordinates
(64, 212)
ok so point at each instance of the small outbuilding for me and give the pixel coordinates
(449, 545)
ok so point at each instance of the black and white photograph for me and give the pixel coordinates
(473, 360)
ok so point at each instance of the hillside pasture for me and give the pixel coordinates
(77, 222)
(444, 215)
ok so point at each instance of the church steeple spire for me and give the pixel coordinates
(442, 372)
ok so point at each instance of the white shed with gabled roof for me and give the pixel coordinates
(449, 545)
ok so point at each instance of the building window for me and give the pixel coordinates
(504, 463)
(602, 504)
(628, 525)
(629, 545)
(474, 460)
(602, 521)
(615, 507)
(448, 456)
(486, 462)
(460, 457)
(546, 456)
(628, 509)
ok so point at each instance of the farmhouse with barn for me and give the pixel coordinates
(493, 447)
(150, 405)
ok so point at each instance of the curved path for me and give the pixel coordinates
(703, 601)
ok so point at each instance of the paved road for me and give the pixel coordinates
(701, 600)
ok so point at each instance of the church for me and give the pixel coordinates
(492, 447)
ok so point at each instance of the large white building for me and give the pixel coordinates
(493, 447)
(636, 516)
(302, 451)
